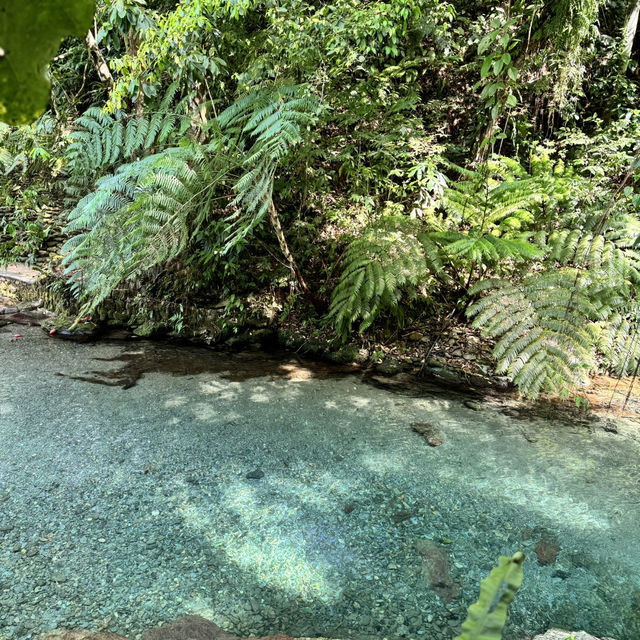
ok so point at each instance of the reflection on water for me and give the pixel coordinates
(127, 503)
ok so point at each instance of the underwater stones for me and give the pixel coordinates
(474, 405)
(187, 628)
(429, 432)
(256, 474)
(436, 568)
(547, 552)
(61, 634)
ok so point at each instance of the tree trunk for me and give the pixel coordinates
(629, 32)
(295, 271)
(104, 73)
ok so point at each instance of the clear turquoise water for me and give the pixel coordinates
(127, 508)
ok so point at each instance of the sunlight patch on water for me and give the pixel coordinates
(260, 397)
(175, 402)
(264, 547)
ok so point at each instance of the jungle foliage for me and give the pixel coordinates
(388, 161)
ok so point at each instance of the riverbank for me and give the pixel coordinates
(450, 353)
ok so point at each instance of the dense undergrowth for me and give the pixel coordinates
(380, 163)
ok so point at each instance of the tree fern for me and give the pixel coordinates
(142, 215)
(262, 126)
(148, 211)
(391, 258)
(544, 328)
(101, 140)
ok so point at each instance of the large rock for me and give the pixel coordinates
(559, 634)
(436, 570)
(429, 432)
(188, 628)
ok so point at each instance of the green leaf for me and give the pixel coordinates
(486, 618)
(486, 41)
(513, 73)
(486, 67)
(30, 35)
(511, 100)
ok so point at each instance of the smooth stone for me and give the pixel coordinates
(189, 627)
(256, 474)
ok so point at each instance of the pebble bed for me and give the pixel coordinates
(305, 506)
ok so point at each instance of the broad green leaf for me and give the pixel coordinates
(487, 617)
(513, 73)
(30, 35)
(486, 67)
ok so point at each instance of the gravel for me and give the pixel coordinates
(276, 505)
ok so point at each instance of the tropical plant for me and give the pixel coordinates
(101, 141)
(149, 211)
(487, 617)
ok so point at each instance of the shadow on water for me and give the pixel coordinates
(185, 361)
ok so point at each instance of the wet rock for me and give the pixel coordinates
(348, 508)
(436, 569)
(256, 474)
(82, 333)
(559, 634)
(346, 355)
(390, 366)
(547, 552)
(30, 305)
(58, 577)
(61, 634)
(187, 628)
(473, 404)
(610, 426)
(401, 516)
(529, 437)
(429, 432)
(8, 310)
(30, 319)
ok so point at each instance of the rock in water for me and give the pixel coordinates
(61, 634)
(559, 634)
(547, 552)
(256, 474)
(431, 434)
(188, 628)
(435, 569)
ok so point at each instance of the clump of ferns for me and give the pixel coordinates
(153, 209)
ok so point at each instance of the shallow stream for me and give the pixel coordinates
(122, 508)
